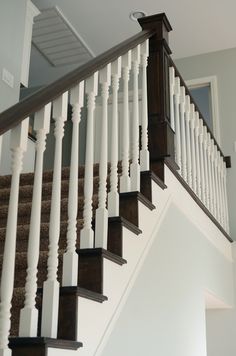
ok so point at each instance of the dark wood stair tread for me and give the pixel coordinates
(29, 343)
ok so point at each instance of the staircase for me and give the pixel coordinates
(73, 239)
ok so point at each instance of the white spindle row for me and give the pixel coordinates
(134, 158)
(197, 155)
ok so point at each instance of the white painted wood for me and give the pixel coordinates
(135, 167)
(183, 133)
(225, 198)
(214, 190)
(197, 152)
(18, 146)
(177, 125)
(188, 142)
(86, 234)
(29, 314)
(51, 285)
(31, 12)
(144, 153)
(212, 82)
(222, 193)
(193, 150)
(125, 178)
(70, 257)
(101, 221)
(217, 183)
(172, 85)
(202, 165)
(209, 163)
(206, 168)
(113, 195)
(221, 205)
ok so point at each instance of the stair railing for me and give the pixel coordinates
(172, 129)
(81, 88)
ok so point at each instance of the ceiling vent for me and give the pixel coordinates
(57, 40)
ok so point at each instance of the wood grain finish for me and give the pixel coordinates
(91, 267)
(161, 135)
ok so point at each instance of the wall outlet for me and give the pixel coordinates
(8, 78)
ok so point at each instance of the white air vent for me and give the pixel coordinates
(57, 40)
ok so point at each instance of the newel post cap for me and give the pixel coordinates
(159, 23)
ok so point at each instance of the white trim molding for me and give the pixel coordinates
(212, 82)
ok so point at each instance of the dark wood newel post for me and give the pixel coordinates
(161, 136)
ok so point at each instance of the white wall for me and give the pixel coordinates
(165, 312)
(221, 64)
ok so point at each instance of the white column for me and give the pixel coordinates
(223, 206)
(177, 126)
(217, 183)
(225, 198)
(125, 179)
(193, 148)
(214, 192)
(51, 285)
(101, 221)
(183, 133)
(29, 314)
(87, 234)
(172, 86)
(188, 141)
(19, 136)
(144, 153)
(202, 166)
(221, 203)
(197, 153)
(113, 195)
(206, 168)
(70, 257)
(135, 167)
(210, 173)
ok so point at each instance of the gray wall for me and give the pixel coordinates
(12, 22)
(221, 64)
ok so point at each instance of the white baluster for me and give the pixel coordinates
(172, 85)
(221, 210)
(51, 285)
(193, 148)
(209, 164)
(101, 221)
(177, 125)
(87, 234)
(70, 257)
(198, 171)
(222, 192)
(144, 153)
(183, 133)
(206, 168)
(125, 179)
(213, 178)
(29, 314)
(113, 195)
(18, 146)
(202, 166)
(217, 183)
(135, 167)
(225, 198)
(188, 141)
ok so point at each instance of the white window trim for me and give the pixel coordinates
(212, 81)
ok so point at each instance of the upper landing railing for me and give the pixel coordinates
(172, 130)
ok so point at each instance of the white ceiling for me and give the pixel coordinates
(199, 26)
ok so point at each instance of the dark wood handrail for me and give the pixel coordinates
(182, 82)
(15, 114)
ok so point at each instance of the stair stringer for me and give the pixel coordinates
(96, 321)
